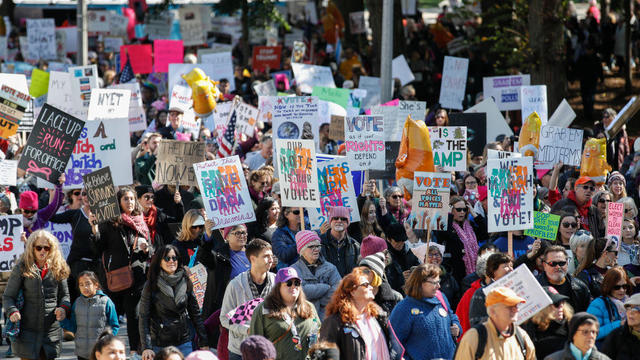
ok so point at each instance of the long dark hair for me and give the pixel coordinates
(282, 218)
(262, 213)
(155, 268)
(277, 307)
(120, 194)
(104, 340)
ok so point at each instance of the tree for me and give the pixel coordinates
(375, 20)
(346, 7)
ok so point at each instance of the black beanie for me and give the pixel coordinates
(579, 319)
(143, 189)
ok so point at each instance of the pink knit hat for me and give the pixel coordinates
(304, 238)
(371, 245)
(227, 230)
(340, 211)
(29, 201)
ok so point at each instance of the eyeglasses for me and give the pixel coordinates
(461, 209)
(590, 188)
(295, 212)
(83, 193)
(170, 258)
(395, 197)
(340, 219)
(620, 287)
(435, 255)
(365, 285)
(556, 263)
(45, 248)
(583, 232)
(469, 183)
(603, 201)
(588, 332)
(148, 197)
(628, 210)
(313, 247)
(567, 225)
(433, 282)
(198, 227)
(25, 211)
(293, 282)
(635, 308)
(76, 193)
(240, 233)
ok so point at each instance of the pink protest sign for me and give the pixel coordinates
(167, 52)
(615, 214)
(141, 59)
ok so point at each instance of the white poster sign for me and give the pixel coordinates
(505, 90)
(510, 194)
(559, 144)
(400, 69)
(191, 30)
(308, 76)
(41, 35)
(449, 144)
(534, 98)
(454, 82)
(10, 232)
(298, 173)
(83, 79)
(137, 115)
(221, 67)
(246, 116)
(335, 182)
(60, 94)
(180, 98)
(364, 142)
(8, 172)
(563, 116)
(108, 104)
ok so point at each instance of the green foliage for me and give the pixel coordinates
(262, 13)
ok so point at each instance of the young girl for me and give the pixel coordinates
(91, 314)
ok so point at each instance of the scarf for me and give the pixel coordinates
(173, 286)
(256, 196)
(136, 222)
(150, 219)
(399, 214)
(582, 210)
(470, 243)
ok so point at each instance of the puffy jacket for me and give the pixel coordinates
(215, 255)
(565, 354)
(165, 323)
(550, 340)
(449, 286)
(318, 286)
(39, 328)
(593, 278)
(400, 261)
(621, 344)
(580, 296)
(345, 257)
(462, 311)
(284, 246)
(608, 316)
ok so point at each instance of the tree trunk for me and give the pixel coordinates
(246, 47)
(547, 43)
(375, 21)
(6, 9)
(398, 29)
(627, 47)
(346, 7)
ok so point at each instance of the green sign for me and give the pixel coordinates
(545, 226)
(335, 95)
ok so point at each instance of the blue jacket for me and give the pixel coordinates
(606, 311)
(422, 329)
(521, 244)
(284, 246)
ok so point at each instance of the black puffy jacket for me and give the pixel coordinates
(621, 344)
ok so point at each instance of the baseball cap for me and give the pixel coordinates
(584, 180)
(634, 300)
(503, 295)
(286, 274)
(555, 296)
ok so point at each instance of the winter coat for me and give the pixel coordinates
(565, 354)
(608, 316)
(387, 298)
(284, 246)
(589, 214)
(39, 328)
(423, 328)
(89, 318)
(44, 214)
(454, 248)
(621, 344)
(477, 308)
(349, 341)
(580, 296)
(215, 255)
(462, 311)
(280, 332)
(449, 286)
(548, 341)
(593, 278)
(80, 247)
(401, 261)
(164, 323)
(319, 285)
(497, 347)
(345, 257)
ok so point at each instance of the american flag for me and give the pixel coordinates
(127, 73)
(228, 139)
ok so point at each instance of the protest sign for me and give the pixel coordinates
(246, 116)
(140, 56)
(218, 120)
(108, 104)
(400, 69)
(83, 79)
(191, 29)
(476, 124)
(137, 116)
(221, 67)
(41, 35)
(8, 172)
(615, 214)
(430, 200)
(505, 90)
(13, 105)
(160, 81)
(298, 173)
(335, 95)
(364, 142)
(118, 25)
(454, 82)
(198, 276)
(101, 195)
(166, 52)
(563, 116)
(496, 124)
(191, 126)
(449, 144)
(625, 114)
(50, 144)
(39, 83)
(64, 234)
(266, 88)
(12, 248)
(559, 144)
(336, 128)
(60, 95)
(66, 42)
(308, 76)
(497, 154)
(372, 85)
(158, 26)
(174, 165)
(180, 98)
(393, 127)
(294, 117)
(534, 99)
(335, 181)
(266, 57)
(395, 124)
(510, 191)
(391, 150)
(98, 21)
(545, 226)
(525, 285)
(356, 22)
(225, 192)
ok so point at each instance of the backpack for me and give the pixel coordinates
(482, 341)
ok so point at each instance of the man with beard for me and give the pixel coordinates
(555, 275)
(338, 247)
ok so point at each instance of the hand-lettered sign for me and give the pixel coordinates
(174, 165)
(12, 248)
(430, 201)
(510, 190)
(335, 181)
(101, 194)
(298, 173)
(364, 142)
(449, 146)
(545, 226)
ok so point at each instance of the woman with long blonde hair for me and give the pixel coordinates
(190, 236)
(40, 274)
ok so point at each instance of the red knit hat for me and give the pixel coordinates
(29, 201)
(304, 238)
(371, 245)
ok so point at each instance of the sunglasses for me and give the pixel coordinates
(45, 248)
(627, 210)
(567, 225)
(293, 282)
(295, 212)
(25, 211)
(148, 197)
(620, 287)
(590, 188)
(340, 219)
(76, 193)
(170, 258)
(395, 196)
(313, 247)
(603, 201)
(556, 263)
(583, 232)
(460, 209)
(198, 227)
(364, 285)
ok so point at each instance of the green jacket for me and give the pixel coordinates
(279, 332)
(145, 169)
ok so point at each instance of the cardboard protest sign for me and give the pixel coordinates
(266, 88)
(198, 276)
(12, 248)
(225, 192)
(510, 194)
(357, 24)
(534, 99)
(41, 34)
(83, 79)
(525, 285)
(563, 116)
(101, 195)
(294, 117)
(364, 142)
(335, 181)
(476, 124)
(559, 144)
(137, 115)
(454, 82)
(336, 128)
(496, 124)
(400, 69)
(615, 215)
(221, 67)
(158, 26)
(191, 29)
(545, 226)
(50, 144)
(166, 52)
(175, 159)
(391, 149)
(13, 105)
(449, 146)
(505, 90)
(8, 172)
(308, 76)
(372, 85)
(266, 57)
(108, 104)
(39, 83)
(625, 114)
(141, 58)
(430, 201)
(246, 116)
(298, 173)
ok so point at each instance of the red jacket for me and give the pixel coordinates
(463, 306)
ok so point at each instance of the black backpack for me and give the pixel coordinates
(482, 340)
